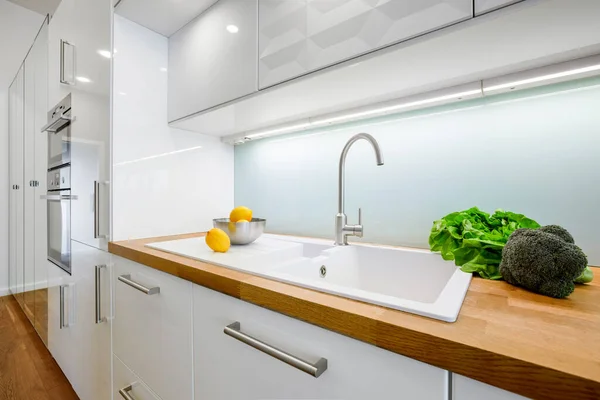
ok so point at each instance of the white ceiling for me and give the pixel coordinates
(43, 7)
(162, 16)
(18, 29)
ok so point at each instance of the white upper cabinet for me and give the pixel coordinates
(483, 6)
(212, 60)
(299, 36)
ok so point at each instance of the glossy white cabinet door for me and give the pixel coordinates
(63, 341)
(87, 25)
(212, 60)
(302, 36)
(14, 160)
(227, 369)
(40, 52)
(126, 381)
(483, 6)
(16, 171)
(464, 388)
(93, 336)
(29, 135)
(152, 333)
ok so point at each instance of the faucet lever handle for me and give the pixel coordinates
(359, 216)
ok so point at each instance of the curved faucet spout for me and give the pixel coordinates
(343, 230)
(342, 168)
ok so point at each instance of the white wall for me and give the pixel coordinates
(165, 180)
(4, 192)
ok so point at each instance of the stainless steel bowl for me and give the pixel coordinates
(241, 232)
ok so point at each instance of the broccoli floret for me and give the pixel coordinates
(558, 231)
(544, 260)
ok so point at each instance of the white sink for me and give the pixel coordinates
(416, 281)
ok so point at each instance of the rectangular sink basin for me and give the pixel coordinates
(411, 280)
(416, 281)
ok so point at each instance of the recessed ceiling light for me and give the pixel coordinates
(163, 69)
(83, 79)
(122, 93)
(233, 29)
(105, 53)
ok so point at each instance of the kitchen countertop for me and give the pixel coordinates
(526, 343)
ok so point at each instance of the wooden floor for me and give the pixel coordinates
(27, 370)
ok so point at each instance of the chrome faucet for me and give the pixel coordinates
(342, 229)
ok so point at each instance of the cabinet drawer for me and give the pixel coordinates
(229, 369)
(152, 333)
(125, 381)
(464, 388)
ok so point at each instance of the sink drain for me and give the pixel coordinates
(323, 271)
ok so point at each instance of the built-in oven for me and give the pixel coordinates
(59, 199)
(59, 134)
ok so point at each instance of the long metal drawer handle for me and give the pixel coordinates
(58, 197)
(315, 369)
(126, 279)
(125, 392)
(99, 318)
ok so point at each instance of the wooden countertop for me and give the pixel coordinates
(536, 346)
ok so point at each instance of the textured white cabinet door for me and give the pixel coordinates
(123, 378)
(298, 36)
(227, 369)
(93, 339)
(464, 388)
(152, 334)
(483, 6)
(208, 64)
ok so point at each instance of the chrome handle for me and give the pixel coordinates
(58, 197)
(63, 44)
(99, 317)
(126, 279)
(96, 209)
(57, 124)
(360, 216)
(315, 369)
(62, 306)
(125, 392)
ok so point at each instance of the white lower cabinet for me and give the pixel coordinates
(126, 383)
(152, 327)
(229, 369)
(464, 388)
(79, 321)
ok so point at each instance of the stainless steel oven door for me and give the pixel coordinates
(59, 146)
(59, 228)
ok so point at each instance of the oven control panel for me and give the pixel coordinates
(60, 178)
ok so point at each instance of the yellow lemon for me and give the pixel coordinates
(243, 221)
(218, 240)
(240, 213)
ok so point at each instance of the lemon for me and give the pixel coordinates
(243, 221)
(240, 213)
(218, 240)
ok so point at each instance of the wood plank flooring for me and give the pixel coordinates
(27, 369)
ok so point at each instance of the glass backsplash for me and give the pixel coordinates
(535, 152)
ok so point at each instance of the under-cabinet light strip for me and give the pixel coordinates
(579, 68)
(542, 78)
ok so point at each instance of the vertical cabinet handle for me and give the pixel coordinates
(126, 279)
(63, 324)
(125, 392)
(316, 369)
(67, 50)
(97, 234)
(99, 318)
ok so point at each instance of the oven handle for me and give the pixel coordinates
(58, 124)
(58, 197)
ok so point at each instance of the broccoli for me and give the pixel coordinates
(544, 260)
